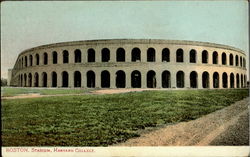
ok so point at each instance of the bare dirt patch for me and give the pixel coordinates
(200, 132)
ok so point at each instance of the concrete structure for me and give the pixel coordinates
(131, 63)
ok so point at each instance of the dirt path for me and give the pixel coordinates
(207, 130)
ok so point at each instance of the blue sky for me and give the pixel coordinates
(29, 24)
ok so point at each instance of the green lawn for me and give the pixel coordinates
(7, 91)
(101, 120)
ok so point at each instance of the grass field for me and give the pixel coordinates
(101, 120)
(7, 92)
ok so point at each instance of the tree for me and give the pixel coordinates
(3, 82)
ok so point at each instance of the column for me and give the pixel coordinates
(158, 79)
(98, 79)
(112, 79)
(71, 79)
(49, 79)
(112, 55)
(84, 55)
(71, 56)
(128, 79)
(143, 79)
(199, 80)
(173, 79)
(187, 80)
(158, 55)
(84, 79)
(127, 55)
(59, 79)
(211, 80)
(143, 54)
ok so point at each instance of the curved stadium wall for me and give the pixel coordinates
(131, 63)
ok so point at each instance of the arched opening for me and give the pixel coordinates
(91, 55)
(224, 58)
(193, 79)
(90, 79)
(44, 79)
(105, 55)
(136, 79)
(236, 60)
(165, 55)
(179, 55)
(36, 80)
(180, 79)
(166, 79)
(78, 56)
(237, 81)
(120, 55)
(241, 80)
(224, 80)
(215, 57)
(136, 54)
(216, 80)
(231, 59)
(25, 80)
(21, 80)
(240, 61)
(45, 58)
(151, 55)
(65, 79)
(54, 79)
(205, 79)
(22, 62)
(231, 80)
(77, 79)
(151, 79)
(37, 59)
(192, 56)
(120, 79)
(244, 62)
(105, 79)
(65, 56)
(26, 61)
(204, 56)
(54, 57)
(30, 80)
(31, 60)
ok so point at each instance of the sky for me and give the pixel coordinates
(29, 24)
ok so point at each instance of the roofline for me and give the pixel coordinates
(147, 41)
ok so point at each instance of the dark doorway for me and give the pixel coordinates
(136, 54)
(30, 80)
(136, 79)
(165, 55)
(236, 60)
(192, 56)
(37, 59)
(77, 79)
(44, 79)
(54, 57)
(120, 79)
(231, 80)
(180, 79)
(231, 60)
(65, 79)
(216, 80)
(151, 55)
(105, 79)
(193, 79)
(224, 80)
(179, 55)
(120, 55)
(78, 56)
(45, 58)
(65, 56)
(237, 81)
(224, 58)
(204, 56)
(205, 79)
(25, 80)
(31, 60)
(151, 79)
(105, 55)
(215, 57)
(90, 79)
(91, 55)
(54, 79)
(36, 80)
(166, 79)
